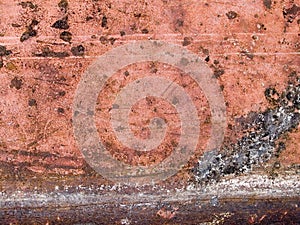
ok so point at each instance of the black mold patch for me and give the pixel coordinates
(257, 146)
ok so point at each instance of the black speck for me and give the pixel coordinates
(187, 41)
(218, 73)
(32, 102)
(126, 73)
(180, 22)
(60, 110)
(61, 24)
(30, 32)
(34, 23)
(16, 83)
(248, 54)
(145, 31)
(104, 22)
(66, 36)
(62, 93)
(47, 52)
(267, 3)
(63, 5)
(15, 25)
(103, 40)
(78, 50)
(137, 15)
(293, 74)
(112, 40)
(88, 18)
(27, 4)
(207, 59)
(231, 15)
(27, 34)
(122, 33)
(4, 51)
(272, 95)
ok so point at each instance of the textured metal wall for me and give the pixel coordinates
(64, 63)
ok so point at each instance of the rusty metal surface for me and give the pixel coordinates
(250, 49)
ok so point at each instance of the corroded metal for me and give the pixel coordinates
(250, 49)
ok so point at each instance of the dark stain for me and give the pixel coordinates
(205, 51)
(105, 40)
(61, 24)
(32, 102)
(4, 51)
(15, 25)
(28, 4)
(122, 33)
(145, 31)
(104, 22)
(30, 31)
(60, 110)
(231, 15)
(153, 67)
(261, 26)
(291, 13)
(61, 93)
(112, 40)
(207, 59)
(78, 50)
(187, 41)
(27, 34)
(137, 15)
(16, 83)
(267, 3)
(65, 36)
(126, 73)
(1, 63)
(63, 5)
(179, 23)
(248, 54)
(216, 62)
(177, 17)
(47, 52)
(88, 18)
(218, 73)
